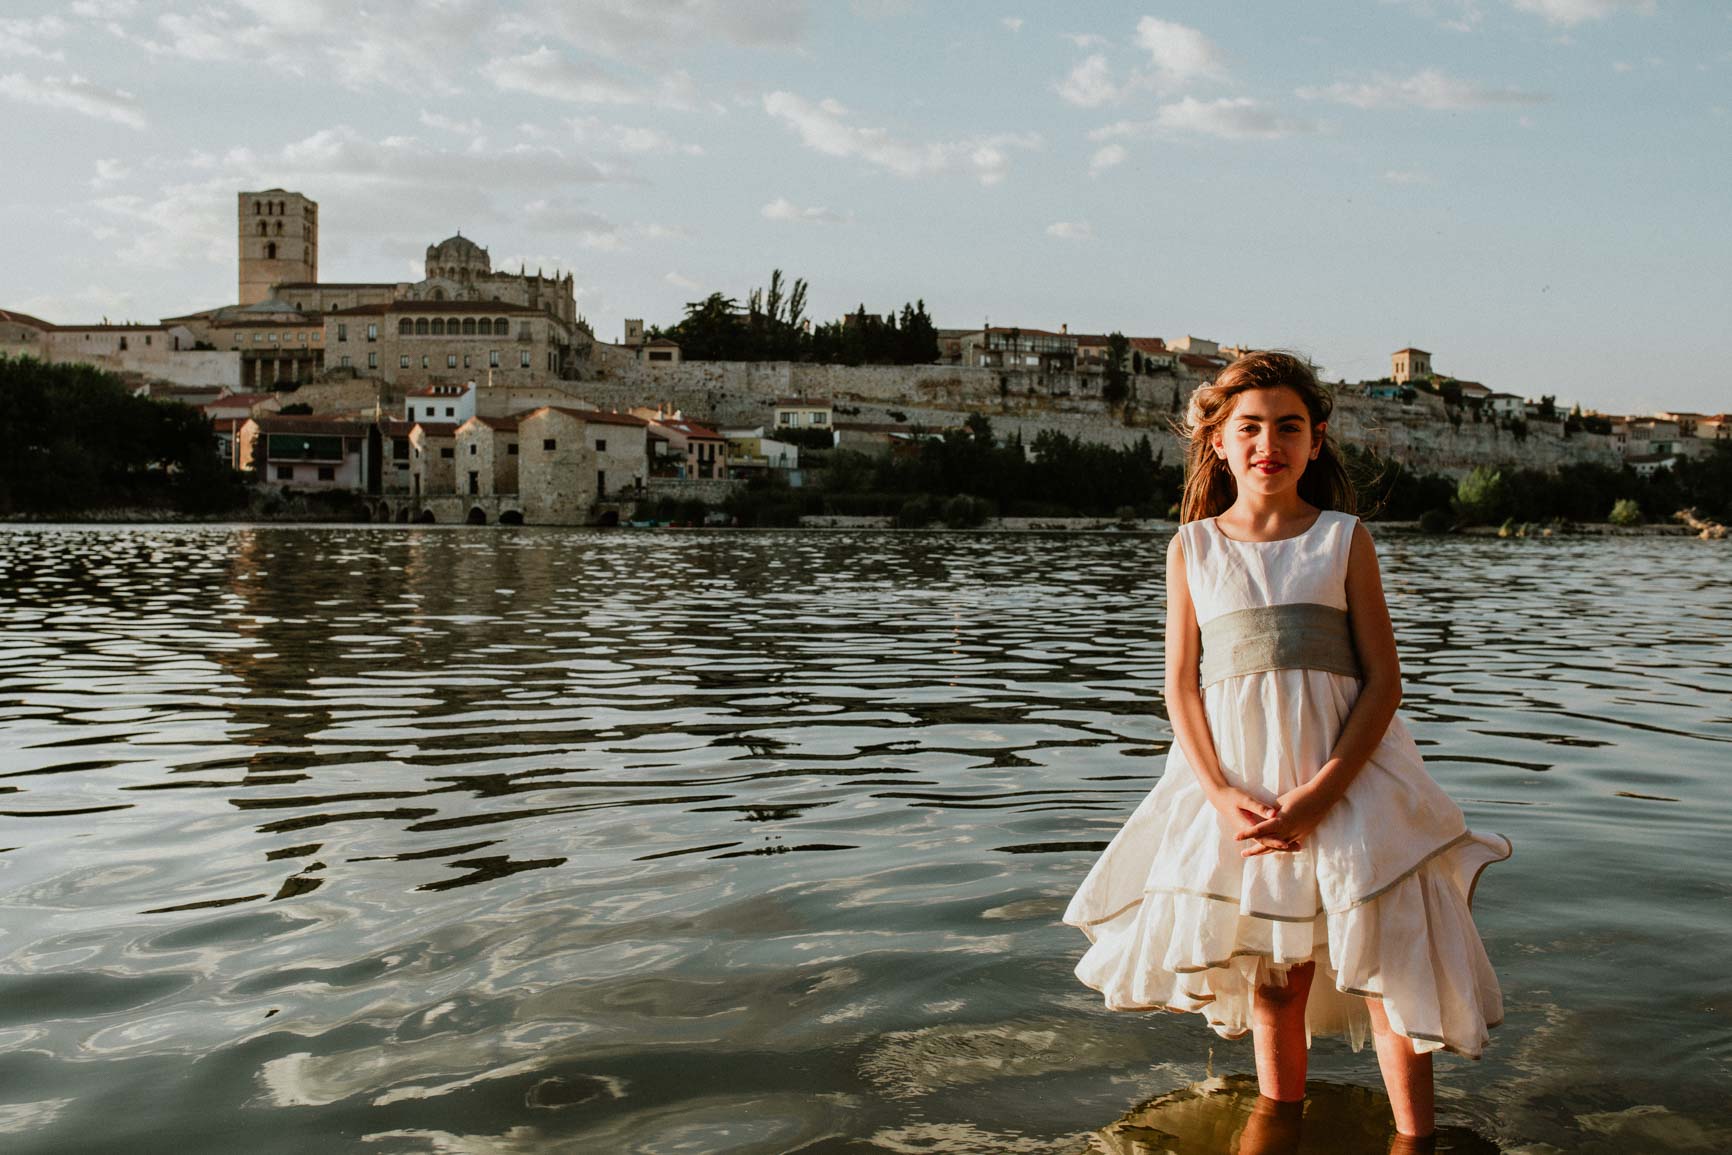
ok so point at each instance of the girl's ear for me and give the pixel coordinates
(1317, 432)
(1217, 444)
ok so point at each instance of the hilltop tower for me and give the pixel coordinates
(278, 242)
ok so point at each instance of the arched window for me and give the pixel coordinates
(263, 228)
(501, 327)
(469, 326)
(307, 254)
(258, 208)
(452, 328)
(438, 294)
(405, 327)
(279, 228)
(270, 250)
(421, 327)
(438, 326)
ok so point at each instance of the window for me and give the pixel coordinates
(405, 327)
(523, 359)
(273, 338)
(447, 453)
(600, 482)
(493, 358)
(342, 331)
(426, 361)
(372, 360)
(403, 361)
(449, 412)
(451, 360)
(373, 332)
(469, 326)
(285, 473)
(511, 449)
(344, 361)
(472, 449)
(549, 445)
(270, 250)
(257, 337)
(147, 340)
(501, 327)
(466, 360)
(601, 445)
(327, 473)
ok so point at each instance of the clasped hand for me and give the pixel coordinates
(1278, 825)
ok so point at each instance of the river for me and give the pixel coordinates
(492, 840)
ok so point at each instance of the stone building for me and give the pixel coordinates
(569, 459)
(165, 352)
(487, 456)
(1407, 365)
(278, 242)
(432, 458)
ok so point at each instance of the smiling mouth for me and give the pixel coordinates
(1269, 466)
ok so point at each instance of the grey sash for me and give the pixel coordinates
(1297, 636)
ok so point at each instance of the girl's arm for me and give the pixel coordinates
(1238, 807)
(1368, 721)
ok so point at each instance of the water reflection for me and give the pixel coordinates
(557, 840)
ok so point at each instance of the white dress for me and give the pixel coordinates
(1377, 896)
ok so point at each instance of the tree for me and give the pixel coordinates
(1116, 387)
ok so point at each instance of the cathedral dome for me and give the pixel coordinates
(458, 258)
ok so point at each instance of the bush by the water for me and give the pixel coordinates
(77, 440)
(1625, 512)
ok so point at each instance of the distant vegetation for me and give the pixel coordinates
(965, 478)
(772, 327)
(77, 440)
(1576, 492)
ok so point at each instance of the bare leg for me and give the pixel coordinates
(1406, 1076)
(1278, 1028)
(1272, 1129)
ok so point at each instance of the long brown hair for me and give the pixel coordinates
(1209, 485)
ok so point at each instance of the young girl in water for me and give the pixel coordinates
(1295, 871)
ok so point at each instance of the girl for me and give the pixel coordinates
(1295, 871)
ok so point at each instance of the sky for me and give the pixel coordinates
(1534, 191)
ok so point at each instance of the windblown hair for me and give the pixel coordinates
(1209, 485)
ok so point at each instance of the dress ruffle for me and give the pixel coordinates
(1379, 897)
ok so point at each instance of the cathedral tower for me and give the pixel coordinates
(279, 242)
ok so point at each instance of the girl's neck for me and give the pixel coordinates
(1269, 517)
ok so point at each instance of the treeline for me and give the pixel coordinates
(77, 440)
(773, 327)
(1576, 492)
(965, 478)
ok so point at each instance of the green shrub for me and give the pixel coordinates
(1625, 512)
(965, 512)
(916, 513)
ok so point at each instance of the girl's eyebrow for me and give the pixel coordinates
(1259, 417)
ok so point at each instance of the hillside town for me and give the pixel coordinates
(481, 395)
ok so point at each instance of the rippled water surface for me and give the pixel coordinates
(407, 840)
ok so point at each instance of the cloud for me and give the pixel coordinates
(393, 191)
(1090, 84)
(1406, 176)
(588, 228)
(824, 127)
(104, 9)
(545, 72)
(1426, 89)
(783, 209)
(75, 94)
(1238, 118)
(592, 130)
(470, 127)
(1014, 23)
(1569, 13)
(1456, 15)
(1086, 40)
(22, 38)
(1180, 54)
(109, 171)
(681, 282)
(618, 27)
(1105, 157)
(1071, 231)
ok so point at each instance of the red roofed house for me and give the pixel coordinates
(304, 452)
(684, 448)
(570, 459)
(449, 403)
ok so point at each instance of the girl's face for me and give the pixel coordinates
(1267, 440)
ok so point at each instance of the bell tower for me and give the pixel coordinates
(278, 242)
